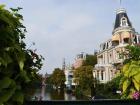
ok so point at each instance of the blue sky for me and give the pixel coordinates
(64, 28)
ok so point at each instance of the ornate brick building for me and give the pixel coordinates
(108, 57)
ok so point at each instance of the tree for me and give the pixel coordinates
(58, 78)
(90, 60)
(84, 75)
(18, 65)
(131, 53)
(84, 78)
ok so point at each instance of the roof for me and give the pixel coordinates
(121, 13)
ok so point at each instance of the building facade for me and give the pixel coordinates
(79, 60)
(69, 70)
(109, 57)
(69, 77)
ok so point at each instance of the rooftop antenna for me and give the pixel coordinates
(120, 3)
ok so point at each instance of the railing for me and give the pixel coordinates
(95, 102)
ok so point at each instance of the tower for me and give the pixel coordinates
(123, 32)
(64, 64)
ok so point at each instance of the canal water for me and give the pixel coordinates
(51, 94)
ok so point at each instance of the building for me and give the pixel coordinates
(69, 77)
(79, 60)
(69, 70)
(109, 59)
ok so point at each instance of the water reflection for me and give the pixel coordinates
(52, 94)
(57, 95)
(69, 97)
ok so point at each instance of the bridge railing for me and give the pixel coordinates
(94, 102)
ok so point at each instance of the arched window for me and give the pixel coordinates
(124, 21)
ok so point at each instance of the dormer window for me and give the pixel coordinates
(124, 21)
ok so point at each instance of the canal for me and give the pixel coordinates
(46, 93)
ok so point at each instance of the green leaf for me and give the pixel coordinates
(18, 97)
(126, 84)
(6, 95)
(2, 6)
(122, 80)
(126, 73)
(131, 69)
(134, 71)
(21, 65)
(21, 59)
(5, 59)
(23, 75)
(5, 82)
(137, 77)
(125, 67)
(136, 84)
(132, 90)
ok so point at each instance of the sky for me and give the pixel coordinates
(65, 28)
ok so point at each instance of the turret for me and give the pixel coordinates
(122, 19)
(123, 31)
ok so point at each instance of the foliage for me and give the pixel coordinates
(84, 78)
(58, 78)
(130, 82)
(108, 90)
(18, 65)
(131, 53)
(48, 80)
(90, 60)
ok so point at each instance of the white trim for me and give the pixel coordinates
(120, 10)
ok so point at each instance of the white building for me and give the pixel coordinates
(69, 70)
(69, 77)
(109, 59)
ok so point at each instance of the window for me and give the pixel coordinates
(135, 39)
(115, 43)
(124, 21)
(106, 45)
(103, 46)
(111, 74)
(102, 75)
(70, 76)
(138, 39)
(126, 40)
